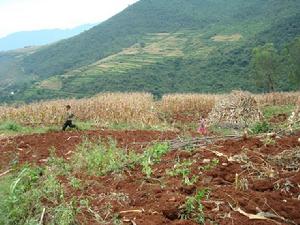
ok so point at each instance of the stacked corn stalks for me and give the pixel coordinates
(187, 104)
(138, 108)
(295, 116)
(238, 109)
(277, 98)
(288, 159)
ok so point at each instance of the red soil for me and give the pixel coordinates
(160, 197)
(36, 148)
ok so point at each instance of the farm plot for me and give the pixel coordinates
(253, 180)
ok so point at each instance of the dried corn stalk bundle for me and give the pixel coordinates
(295, 116)
(237, 110)
(288, 159)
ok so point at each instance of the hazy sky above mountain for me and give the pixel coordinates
(26, 15)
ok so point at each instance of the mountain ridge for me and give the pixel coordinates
(162, 47)
(23, 39)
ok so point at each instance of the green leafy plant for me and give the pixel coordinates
(193, 208)
(65, 213)
(183, 169)
(75, 182)
(212, 164)
(151, 156)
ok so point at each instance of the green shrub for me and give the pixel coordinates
(260, 127)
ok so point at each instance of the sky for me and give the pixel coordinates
(27, 15)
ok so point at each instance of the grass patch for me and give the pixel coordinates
(84, 125)
(8, 128)
(270, 111)
(100, 158)
(31, 192)
(221, 131)
(139, 126)
(13, 128)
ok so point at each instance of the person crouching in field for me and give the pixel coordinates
(69, 118)
(202, 126)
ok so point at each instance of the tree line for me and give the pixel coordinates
(269, 65)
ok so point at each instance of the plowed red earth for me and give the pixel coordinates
(35, 148)
(269, 187)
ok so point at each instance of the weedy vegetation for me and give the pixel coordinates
(151, 156)
(38, 194)
(183, 169)
(193, 208)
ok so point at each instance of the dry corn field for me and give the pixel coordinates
(134, 108)
(277, 98)
(186, 107)
(101, 109)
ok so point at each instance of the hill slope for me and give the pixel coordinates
(163, 46)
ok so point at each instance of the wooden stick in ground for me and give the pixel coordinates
(133, 211)
(42, 216)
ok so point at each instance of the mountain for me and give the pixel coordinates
(39, 37)
(159, 46)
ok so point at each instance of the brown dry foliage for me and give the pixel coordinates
(136, 108)
(277, 98)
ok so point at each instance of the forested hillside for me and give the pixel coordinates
(163, 46)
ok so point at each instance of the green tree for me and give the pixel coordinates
(293, 57)
(266, 65)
